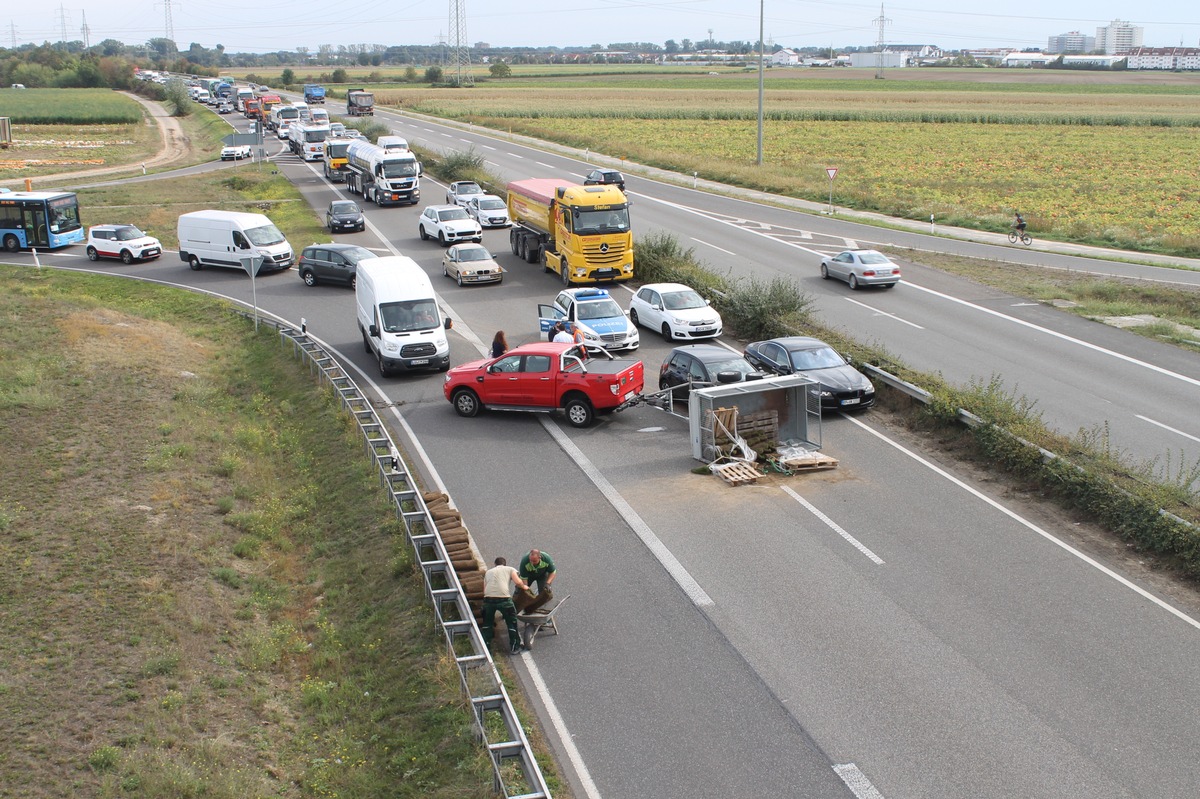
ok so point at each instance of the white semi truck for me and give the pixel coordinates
(385, 178)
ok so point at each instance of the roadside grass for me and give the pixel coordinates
(1089, 296)
(145, 649)
(254, 188)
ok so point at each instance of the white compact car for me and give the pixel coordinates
(489, 211)
(675, 310)
(121, 241)
(235, 152)
(449, 224)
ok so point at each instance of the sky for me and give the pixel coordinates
(269, 25)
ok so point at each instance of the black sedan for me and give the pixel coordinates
(842, 386)
(702, 365)
(344, 215)
(604, 177)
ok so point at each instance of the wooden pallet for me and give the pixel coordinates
(736, 473)
(810, 463)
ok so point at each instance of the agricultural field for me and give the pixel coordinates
(1102, 158)
(66, 130)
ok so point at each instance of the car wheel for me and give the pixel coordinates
(126, 257)
(445, 273)
(465, 403)
(459, 278)
(579, 412)
(853, 281)
(354, 281)
(633, 317)
(424, 235)
(663, 385)
(442, 239)
(194, 263)
(890, 286)
(11, 243)
(383, 372)
(362, 227)
(308, 277)
(824, 272)
(666, 332)
(91, 252)
(478, 240)
(366, 341)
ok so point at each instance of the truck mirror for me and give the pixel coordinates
(448, 323)
(374, 331)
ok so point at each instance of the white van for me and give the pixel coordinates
(320, 116)
(302, 107)
(202, 96)
(398, 316)
(223, 238)
(393, 144)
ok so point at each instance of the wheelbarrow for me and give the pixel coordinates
(538, 620)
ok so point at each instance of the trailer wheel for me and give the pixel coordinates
(579, 412)
(533, 253)
(512, 242)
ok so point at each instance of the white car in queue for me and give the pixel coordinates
(449, 224)
(471, 263)
(676, 311)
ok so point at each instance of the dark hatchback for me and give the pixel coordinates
(843, 387)
(703, 365)
(331, 263)
(344, 215)
(605, 177)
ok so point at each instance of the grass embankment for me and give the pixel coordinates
(971, 155)
(254, 188)
(204, 593)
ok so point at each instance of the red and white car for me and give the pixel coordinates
(126, 242)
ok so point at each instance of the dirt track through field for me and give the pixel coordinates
(174, 148)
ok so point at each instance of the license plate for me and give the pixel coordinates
(854, 401)
(702, 329)
(422, 361)
(151, 252)
(628, 396)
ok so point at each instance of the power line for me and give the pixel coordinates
(881, 21)
(458, 41)
(87, 38)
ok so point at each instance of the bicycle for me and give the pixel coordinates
(1014, 235)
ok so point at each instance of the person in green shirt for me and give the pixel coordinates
(536, 567)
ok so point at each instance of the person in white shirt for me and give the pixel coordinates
(498, 583)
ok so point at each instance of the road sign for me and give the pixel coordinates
(252, 263)
(237, 139)
(831, 171)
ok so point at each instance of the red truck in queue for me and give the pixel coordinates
(545, 377)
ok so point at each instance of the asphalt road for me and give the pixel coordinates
(883, 629)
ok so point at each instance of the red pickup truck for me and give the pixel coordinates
(545, 377)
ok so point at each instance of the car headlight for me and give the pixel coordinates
(677, 321)
(391, 346)
(590, 336)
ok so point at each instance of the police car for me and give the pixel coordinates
(603, 324)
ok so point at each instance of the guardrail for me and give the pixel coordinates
(496, 721)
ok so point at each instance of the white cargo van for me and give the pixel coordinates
(393, 144)
(222, 238)
(320, 116)
(398, 316)
(302, 107)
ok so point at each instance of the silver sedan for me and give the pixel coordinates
(861, 268)
(471, 263)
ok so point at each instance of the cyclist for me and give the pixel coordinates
(1019, 224)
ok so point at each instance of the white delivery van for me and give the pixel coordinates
(393, 144)
(398, 316)
(302, 107)
(320, 116)
(222, 238)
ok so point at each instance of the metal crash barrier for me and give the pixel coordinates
(517, 775)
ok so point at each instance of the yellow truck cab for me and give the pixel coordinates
(580, 232)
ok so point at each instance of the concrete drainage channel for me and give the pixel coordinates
(496, 721)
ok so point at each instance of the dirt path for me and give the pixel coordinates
(175, 148)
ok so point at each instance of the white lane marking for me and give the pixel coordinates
(467, 141)
(447, 135)
(715, 247)
(856, 781)
(560, 726)
(548, 166)
(1029, 525)
(851, 244)
(854, 542)
(1063, 336)
(1165, 427)
(487, 147)
(884, 313)
(631, 517)
(806, 234)
(514, 155)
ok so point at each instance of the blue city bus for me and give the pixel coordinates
(42, 219)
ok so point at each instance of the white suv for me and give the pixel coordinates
(121, 241)
(448, 224)
(675, 310)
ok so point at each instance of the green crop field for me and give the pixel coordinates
(1104, 158)
(69, 107)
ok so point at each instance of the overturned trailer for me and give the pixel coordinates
(777, 410)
